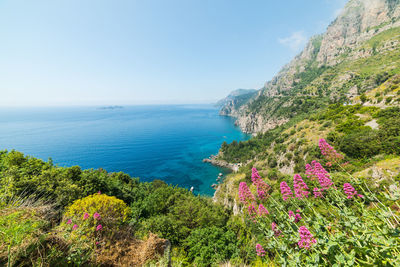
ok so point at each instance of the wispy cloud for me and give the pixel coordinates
(295, 41)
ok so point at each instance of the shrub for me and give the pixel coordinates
(364, 143)
(110, 210)
(211, 245)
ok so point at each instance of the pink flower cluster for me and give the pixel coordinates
(262, 187)
(252, 212)
(325, 182)
(306, 238)
(245, 194)
(96, 216)
(254, 175)
(300, 187)
(274, 228)
(262, 211)
(315, 170)
(317, 193)
(260, 250)
(350, 191)
(86, 216)
(285, 191)
(297, 216)
(328, 151)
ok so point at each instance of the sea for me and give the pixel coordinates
(166, 142)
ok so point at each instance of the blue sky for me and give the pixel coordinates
(103, 52)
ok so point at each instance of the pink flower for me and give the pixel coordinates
(96, 216)
(317, 193)
(86, 215)
(245, 194)
(99, 227)
(252, 212)
(328, 151)
(262, 211)
(99, 192)
(285, 191)
(74, 227)
(254, 175)
(297, 216)
(69, 221)
(350, 191)
(291, 213)
(262, 187)
(325, 182)
(306, 238)
(274, 228)
(300, 187)
(260, 250)
(315, 169)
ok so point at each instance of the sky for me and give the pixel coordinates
(130, 52)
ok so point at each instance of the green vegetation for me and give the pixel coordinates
(325, 220)
(346, 130)
(170, 212)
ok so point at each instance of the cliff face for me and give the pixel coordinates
(234, 100)
(328, 69)
(358, 22)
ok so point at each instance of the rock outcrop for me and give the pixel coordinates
(306, 75)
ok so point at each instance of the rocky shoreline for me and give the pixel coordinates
(222, 163)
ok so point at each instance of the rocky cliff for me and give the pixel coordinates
(338, 65)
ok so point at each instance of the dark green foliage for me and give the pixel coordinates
(174, 213)
(212, 244)
(381, 78)
(34, 177)
(361, 143)
(363, 98)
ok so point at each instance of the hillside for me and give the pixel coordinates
(234, 100)
(327, 126)
(358, 52)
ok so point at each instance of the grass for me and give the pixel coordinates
(383, 169)
(21, 229)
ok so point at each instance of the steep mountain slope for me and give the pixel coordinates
(358, 52)
(236, 94)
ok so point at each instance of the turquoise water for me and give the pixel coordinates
(150, 142)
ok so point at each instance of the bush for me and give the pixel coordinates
(211, 245)
(364, 143)
(110, 210)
